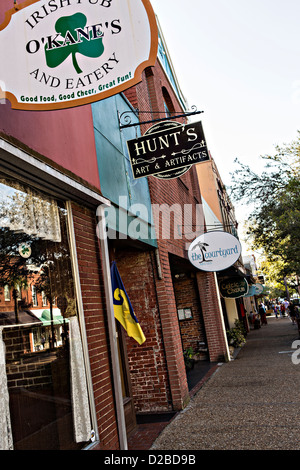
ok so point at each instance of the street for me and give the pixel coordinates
(251, 403)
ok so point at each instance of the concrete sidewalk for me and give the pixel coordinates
(250, 403)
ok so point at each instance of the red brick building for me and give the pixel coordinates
(161, 282)
(48, 166)
(56, 178)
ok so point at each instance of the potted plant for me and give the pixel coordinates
(236, 335)
(189, 360)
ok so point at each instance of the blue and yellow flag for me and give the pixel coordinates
(123, 309)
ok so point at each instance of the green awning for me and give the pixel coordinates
(46, 318)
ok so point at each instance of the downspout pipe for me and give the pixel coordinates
(102, 237)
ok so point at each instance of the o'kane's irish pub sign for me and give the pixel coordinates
(58, 54)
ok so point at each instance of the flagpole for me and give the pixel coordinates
(102, 237)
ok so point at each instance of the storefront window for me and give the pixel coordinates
(43, 391)
(6, 293)
(34, 296)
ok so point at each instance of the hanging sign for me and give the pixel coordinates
(25, 250)
(167, 150)
(259, 288)
(214, 251)
(59, 54)
(234, 288)
(251, 291)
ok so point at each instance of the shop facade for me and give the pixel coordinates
(60, 372)
(71, 378)
(149, 227)
(52, 307)
(220, 214)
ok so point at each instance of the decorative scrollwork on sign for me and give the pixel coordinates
(125, 118)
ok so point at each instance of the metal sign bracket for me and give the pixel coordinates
(125, 119)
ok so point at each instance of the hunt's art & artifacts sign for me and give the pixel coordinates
(167, 150)
(58, 54)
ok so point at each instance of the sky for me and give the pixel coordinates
(239, 62)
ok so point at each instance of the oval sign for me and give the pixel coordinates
(234, 288)
(259, 288)
(251, 291)
(214, 251)
(58, 54)
(25, 250)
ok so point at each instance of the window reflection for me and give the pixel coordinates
(35, 262)
(37, 302)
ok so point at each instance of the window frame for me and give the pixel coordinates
(34, 296)
(6, 290)
(95, 440)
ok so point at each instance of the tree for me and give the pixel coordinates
(274, 223)
(14, 270)
(202, 248)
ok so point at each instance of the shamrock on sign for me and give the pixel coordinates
(24, 250)
(77, 38)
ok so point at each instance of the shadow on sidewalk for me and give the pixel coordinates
(150, 426)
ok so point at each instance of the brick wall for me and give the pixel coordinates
(148, 372)
(192, 330)
(171, 333)
(180, 191)
(148, 96)
(24, 369)
(184, 190)
(95, 321)
(212, 315)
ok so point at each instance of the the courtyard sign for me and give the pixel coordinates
(214, 251)
(58, 54)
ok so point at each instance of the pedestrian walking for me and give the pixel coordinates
(282, 309)
(251, 317)
(297, 310)
(263, 315)
(292, 309)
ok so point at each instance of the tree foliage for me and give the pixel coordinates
(274, 223)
